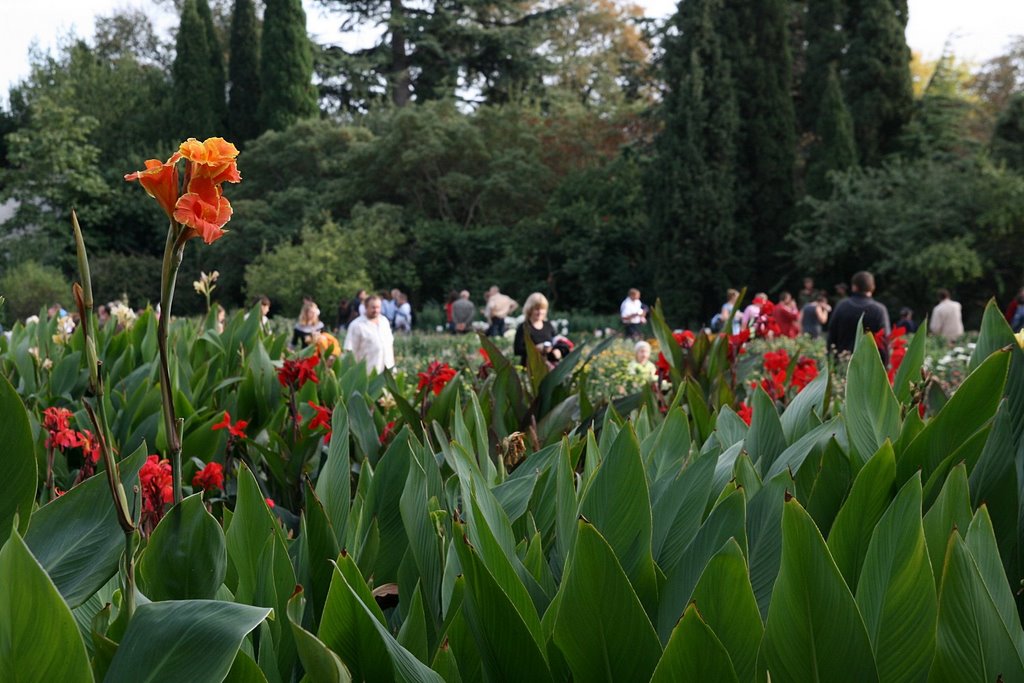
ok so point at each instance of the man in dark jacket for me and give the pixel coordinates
(843, 328)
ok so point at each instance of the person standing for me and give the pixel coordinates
(751, 312)
(814, 315)
(632, 313)
(403, 312)
(538, 329)
(845, 325)
(462, 313)
(497, 309)
(787, 315)
(906, 320)
(308, 323)
(807, 295)
(369, 338)
(947, 318)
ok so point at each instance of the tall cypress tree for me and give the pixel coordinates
(878, 85)
(756, 39)
(834, 148)
(216, 65)
(286, 66)
(1008, 137)
(195, 111)
(696, 250)
(244, 74)
(825, 41)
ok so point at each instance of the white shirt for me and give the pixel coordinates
(947, 320)
(631, 311)
(372, 342)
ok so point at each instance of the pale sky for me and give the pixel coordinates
(980, 28)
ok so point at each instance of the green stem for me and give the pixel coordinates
(128, 584)
(168, 275)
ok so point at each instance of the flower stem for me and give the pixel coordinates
(168, 275)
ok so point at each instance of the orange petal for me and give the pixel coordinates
(160, 180)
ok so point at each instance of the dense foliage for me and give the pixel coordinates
(465, 525)
(577, 149)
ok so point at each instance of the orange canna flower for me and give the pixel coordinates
(160, 180)
(213, 158)
(203, 209)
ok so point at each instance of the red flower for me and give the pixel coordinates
(295, 373)
(270, 503)
(90, 446)
(776, 361)
(663, 366)
(64, 439)
(438, 374)
(321, 419)
(160, 181)
(237, 429)
(486, 366)
(56, 419)
(389, 431)
(737, 342)
(210, 477)
(684, 339)
(157, 485)
(775, 385)
(765, 324)
(896, 345)
(745, 412)
(804, 373)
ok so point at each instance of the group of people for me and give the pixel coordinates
(395, 308)
(460, 311)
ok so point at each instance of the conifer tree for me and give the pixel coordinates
(1008, 137)
(878, 86)
(216, 65)
(834, 148)
(244, 74)
(286, 66)
(825, 40)
(195, 112)
(696, 250)
(756, 41)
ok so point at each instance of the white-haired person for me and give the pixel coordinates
(541, 333)
(641, 365)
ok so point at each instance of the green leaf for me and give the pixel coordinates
(799, 416)
(186, 557)
(39, 641)
(601, 627)
(995, 333)
(319, 548)
(726, 521)
(993, 482)
(333, 484)
(183, 640)
(981, 541)
(851, 533)
(972, 643)
(896, 591)
(18, 485)
(727, 605)
(972, 406)
(617, 503)
(694, 653)
(506, 632)
(830, 487)
(320, 663)
(872, 411)
(764, 533)
(77, 537)
(951, 510)
(910, 367)
(765, 440)
(678, 510)
(814, 630)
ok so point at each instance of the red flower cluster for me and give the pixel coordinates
(157, 486)
(776, 365)
(322, 418)
(389, 431)
(765, 324)
(745, 412)
(685, 340)
(737, 342)
(237, 429)
(438, 374)
(896, 345)
(295, 373)
(209, 478)
(61, 436)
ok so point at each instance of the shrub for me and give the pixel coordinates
(30, 286)
(132, 276)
